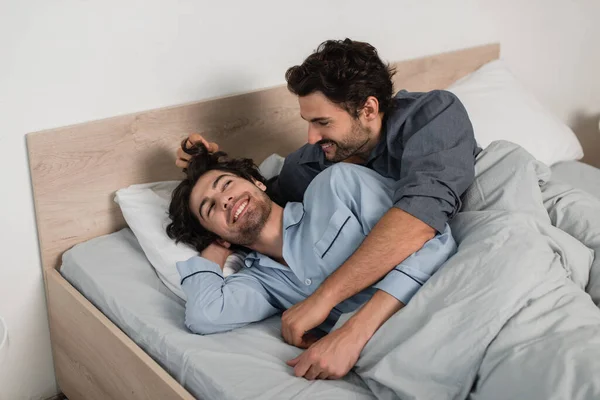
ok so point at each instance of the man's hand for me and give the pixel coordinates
(217, 253)
(183, 158)
(301, 318)
(332, 357)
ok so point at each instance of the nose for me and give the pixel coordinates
(313, 134)
(226, 202)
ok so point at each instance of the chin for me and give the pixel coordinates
(331, 156)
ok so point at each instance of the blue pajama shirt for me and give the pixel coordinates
(341, 206)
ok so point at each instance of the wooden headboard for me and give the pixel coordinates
(76, 170)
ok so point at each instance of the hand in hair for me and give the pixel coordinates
(183, 158)
(217, 253)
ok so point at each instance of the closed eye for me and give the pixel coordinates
(225, 185)
(323, 123)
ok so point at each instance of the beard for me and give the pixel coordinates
(250, 227)
(352, 144)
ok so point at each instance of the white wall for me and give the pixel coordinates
(69, 61)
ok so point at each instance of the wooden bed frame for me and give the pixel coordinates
(76, 170)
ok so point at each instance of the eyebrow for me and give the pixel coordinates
(205, 200)
(214, 186)
(317, 119)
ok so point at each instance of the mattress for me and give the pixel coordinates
(113, 273)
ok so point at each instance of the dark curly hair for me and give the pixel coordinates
(347, 72)
(184, 226)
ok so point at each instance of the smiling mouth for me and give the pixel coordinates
(239, 209)
(326, 146)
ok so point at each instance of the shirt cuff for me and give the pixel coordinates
(426, 209)
(197, 265)
(400, 285)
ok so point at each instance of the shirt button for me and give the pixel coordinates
(307, 282)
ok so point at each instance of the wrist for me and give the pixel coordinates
(214, 255)
(358, 330)
(369, 318)
(326, 297)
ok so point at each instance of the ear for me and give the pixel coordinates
(223, 243)
(260, 185)
(371, 108)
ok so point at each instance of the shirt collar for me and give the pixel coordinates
(379, 148)
(390, 120)
(292, 214)
(262, 260)
(311, 153)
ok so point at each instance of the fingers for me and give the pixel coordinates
(182, 155)
(324, 375)
(292, 335)
(297, 338)
(290, 330)
(194, 138)
(309, 367)
(292, 363)
(308, 340)
(181, 163)
(183, 158)
(312, 373)
(303, 366)
(212, 147)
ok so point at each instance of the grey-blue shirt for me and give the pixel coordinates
(427, 145)
(341, 206)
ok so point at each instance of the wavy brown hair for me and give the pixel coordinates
(184, 226)
(347, 72)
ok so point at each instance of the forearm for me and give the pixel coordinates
(214, 305)
(395, 237)
(369, 318)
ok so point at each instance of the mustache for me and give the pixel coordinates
(325, 141)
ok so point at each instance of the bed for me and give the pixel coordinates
(247, 363)
(100, 350)
(116, 277)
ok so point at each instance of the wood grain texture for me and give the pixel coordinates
(94, 359)
(76, 170)
(441, 70)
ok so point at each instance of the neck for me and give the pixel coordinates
(375, 127)
(270, 239)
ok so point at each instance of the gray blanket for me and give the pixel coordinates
(507, 317)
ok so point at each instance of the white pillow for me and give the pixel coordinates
(501, 109)
(145, 209)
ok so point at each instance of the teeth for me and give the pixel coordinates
(239, 210)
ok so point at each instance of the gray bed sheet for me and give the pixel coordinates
(249, 363)
(579, 175)
(113, 273)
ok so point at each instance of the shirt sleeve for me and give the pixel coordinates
(407, 277)
(437, 151)
(217, 304)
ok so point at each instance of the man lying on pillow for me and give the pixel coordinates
(222, 202)
(424, 141)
